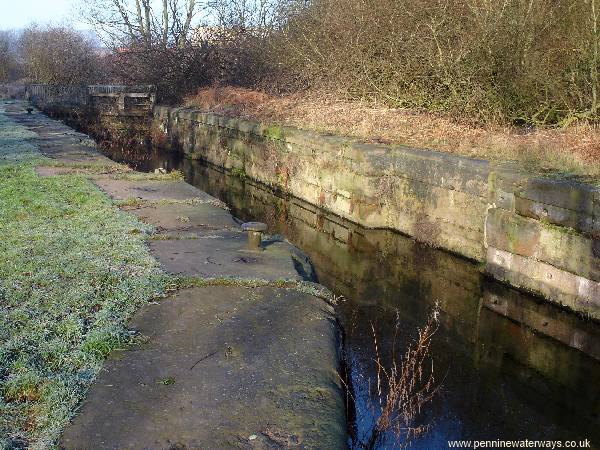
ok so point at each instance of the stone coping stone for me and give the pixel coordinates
(59, 142)
(221, 367)
(225, 254)
(152, 190)
(563, 193)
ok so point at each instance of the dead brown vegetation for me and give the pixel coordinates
(403, 389)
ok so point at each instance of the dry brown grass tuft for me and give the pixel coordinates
(572, 150)
(404, 389)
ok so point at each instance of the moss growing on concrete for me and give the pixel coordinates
(306, 287)
(174, 175)
(133, 202)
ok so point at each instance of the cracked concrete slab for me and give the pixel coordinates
(58, 141)
(222, 367)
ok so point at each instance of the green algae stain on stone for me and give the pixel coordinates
(274, 132)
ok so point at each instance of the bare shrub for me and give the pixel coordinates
(174, 71)
(518, 61)
(58, 55)
(10, 69)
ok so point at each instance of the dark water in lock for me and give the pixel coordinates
(509, 366)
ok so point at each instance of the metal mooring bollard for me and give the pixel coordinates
(255, 231)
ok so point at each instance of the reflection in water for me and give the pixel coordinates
(511, 366)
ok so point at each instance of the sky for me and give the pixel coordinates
(17, 14)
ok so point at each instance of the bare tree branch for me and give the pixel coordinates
(165, 34)
(188, 20)
(125, 17)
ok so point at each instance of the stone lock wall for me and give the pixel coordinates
(540, 234)
(543, 235)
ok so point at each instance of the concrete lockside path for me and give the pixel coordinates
(218, 366)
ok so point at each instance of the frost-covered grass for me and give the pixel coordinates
(73, 270)
(16, 144)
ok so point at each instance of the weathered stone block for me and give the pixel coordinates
(444, 205)
(438, 169)
(506, 231)
(558, 246)
(567, 289)
(578, 220)
(504, 179)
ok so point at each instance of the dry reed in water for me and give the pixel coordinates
(403, 389)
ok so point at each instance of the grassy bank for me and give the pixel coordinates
(573, 150)
(73, 270)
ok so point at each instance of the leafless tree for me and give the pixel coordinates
(151, 42)
(142, 23)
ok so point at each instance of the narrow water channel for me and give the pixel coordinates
(510, 366)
